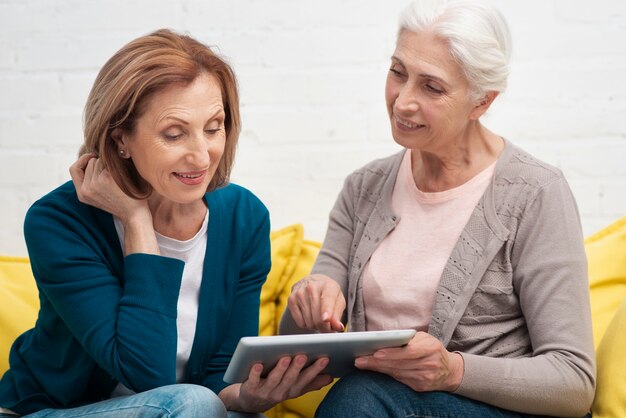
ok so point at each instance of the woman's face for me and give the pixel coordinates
(427, 94)
(179, 139)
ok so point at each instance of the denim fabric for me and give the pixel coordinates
(365, 394)
(174, 401)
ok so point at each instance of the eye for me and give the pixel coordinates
(396, 70)
(434, 89)
(172, 137)
(214, 126)
(214, 131)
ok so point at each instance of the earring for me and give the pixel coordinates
(122, 153)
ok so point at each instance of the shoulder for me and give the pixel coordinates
(522, 167)
(233, 206)
(522, 180)
(63, 195)
(236, 198)
(58, 224)
(61, 207)
(372, 177)
(240, 220)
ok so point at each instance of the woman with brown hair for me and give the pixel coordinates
(149, 263)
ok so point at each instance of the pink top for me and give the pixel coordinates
(405, 269)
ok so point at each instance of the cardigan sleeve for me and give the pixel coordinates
(124, 320)
(550, 276)
(254, 265)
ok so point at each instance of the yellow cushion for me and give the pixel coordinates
(606, 254)
(20, 303)
(285, 246)
(610, 400)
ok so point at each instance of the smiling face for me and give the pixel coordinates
(427, 95)
(178, 140)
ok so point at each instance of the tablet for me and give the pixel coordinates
(341, 348)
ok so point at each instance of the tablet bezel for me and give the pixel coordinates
(341, 348)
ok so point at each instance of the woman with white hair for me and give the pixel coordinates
(462, 236)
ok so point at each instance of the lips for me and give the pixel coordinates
(406, 125)
(190, 177)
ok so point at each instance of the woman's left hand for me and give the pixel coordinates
(423, 364)
(288, 379)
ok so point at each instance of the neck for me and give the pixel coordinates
(176, 220)
(457, 162)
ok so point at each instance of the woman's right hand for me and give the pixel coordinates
(95, 187)
(288, 379)
(317, 303)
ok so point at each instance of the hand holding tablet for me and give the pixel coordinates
(340, 348)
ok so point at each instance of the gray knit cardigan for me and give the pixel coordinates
(513, 298)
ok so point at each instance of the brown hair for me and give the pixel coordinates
(127, 80)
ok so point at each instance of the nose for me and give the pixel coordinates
(407, 100)
(197, 150)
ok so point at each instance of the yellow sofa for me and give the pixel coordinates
(293, 257)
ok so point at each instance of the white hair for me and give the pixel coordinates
(477, 34)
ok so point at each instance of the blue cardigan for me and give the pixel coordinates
(105, 318)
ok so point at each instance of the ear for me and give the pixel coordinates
(483, 104)
(121, 141)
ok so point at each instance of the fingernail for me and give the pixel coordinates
(325, 316)
(380, 354)
(360, 362)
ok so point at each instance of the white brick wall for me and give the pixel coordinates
(312, 78)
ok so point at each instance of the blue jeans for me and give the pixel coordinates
(175, 401)
(368, 394)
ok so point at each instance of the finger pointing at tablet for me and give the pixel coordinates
(317, 303)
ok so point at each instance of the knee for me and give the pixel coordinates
(358, 394)
(190, 401)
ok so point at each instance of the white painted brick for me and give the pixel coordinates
(312, 93)
(29, 93)
(276, 162)
(25, 17)
(41, 131)
(523, 119)
(79, 17)
(276, 87)
(588, 194)
(59, 52)
(304, 124)
(15, 203)
(287, 14)
(8, 55)
(613, 199)
(599, 11)
(563, 81)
